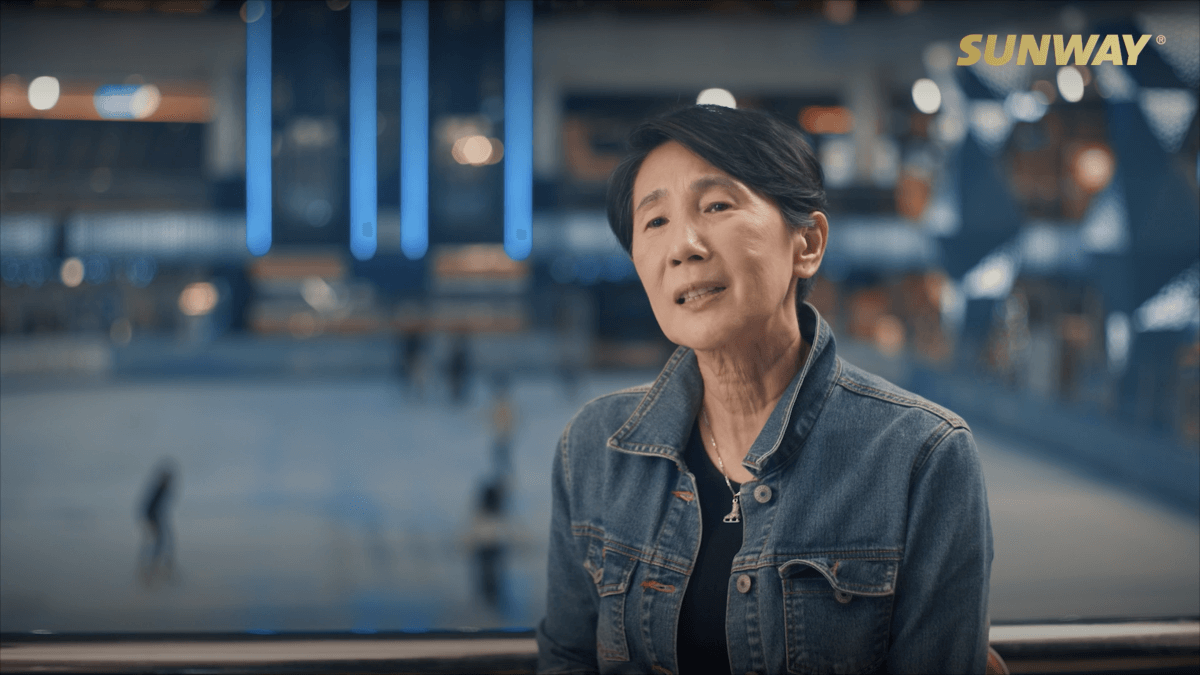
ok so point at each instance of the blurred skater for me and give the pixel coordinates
(504, 417)
(158, 548)
(489, 536)
(409, 347)
(458, 369)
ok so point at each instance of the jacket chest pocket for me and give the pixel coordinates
(611, 573)
(837, 614)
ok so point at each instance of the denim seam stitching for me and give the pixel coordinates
(587, 531)
(656, 560)
(809, 361)
(879, 554)
(944, 431)
(628, 551)
(571, 423)
(649, 399)
(928, 406)
(816, 413)
(565, 442)
(641, 388)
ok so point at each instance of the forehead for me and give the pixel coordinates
(668, 165)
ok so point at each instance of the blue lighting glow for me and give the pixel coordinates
(518, 128)
(414, 128)
(126, 101)
(140, 271)
(258, 132)
(363, 204)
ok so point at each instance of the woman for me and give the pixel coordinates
(763, 506)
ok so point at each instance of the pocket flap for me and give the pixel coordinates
(849, 575)
(610, 571)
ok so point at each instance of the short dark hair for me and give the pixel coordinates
(766, 153)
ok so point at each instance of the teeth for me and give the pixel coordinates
(692, 295)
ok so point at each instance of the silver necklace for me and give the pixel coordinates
(735, 514)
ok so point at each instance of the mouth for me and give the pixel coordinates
(698, 293)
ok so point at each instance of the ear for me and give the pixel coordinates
(810, 246)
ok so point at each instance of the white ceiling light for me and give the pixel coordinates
(720, 97)
(43, 92)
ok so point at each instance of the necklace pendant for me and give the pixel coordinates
(735, 514)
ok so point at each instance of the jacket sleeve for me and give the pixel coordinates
(566, 637)
(940, 618)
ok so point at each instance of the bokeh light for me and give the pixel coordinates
(1046, 89)
(840, 11)
(1025, 106)
(477, 150)
(44, 92)
(126, 101)
(889, 334)
(252, 10)
(319, 294)
(71, 272)
(926, 96)
(198, 298)
(1070, 84)
(820, 119)
(1093, 168)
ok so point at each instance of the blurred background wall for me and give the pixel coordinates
(363, 444)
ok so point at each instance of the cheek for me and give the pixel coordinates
(764, 257)
(756, 243)
(650, 281)
(644, 264)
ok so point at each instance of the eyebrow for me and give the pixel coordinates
(704, 182)
(652, 197)
(699, 185)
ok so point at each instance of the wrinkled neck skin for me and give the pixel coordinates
(743, 380)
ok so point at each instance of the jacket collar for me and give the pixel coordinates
(662, 421)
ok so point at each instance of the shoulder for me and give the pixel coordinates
(920, 442)
(879, 394)
(893, 421)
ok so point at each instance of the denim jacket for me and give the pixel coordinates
(867, 545)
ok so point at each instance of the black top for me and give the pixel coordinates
(701, 645)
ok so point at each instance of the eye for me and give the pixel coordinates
(717, 206)
(657, 222)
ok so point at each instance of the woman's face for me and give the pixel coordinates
(716, 259)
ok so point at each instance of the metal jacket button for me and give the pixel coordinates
(843, 597)
(743, 583)
(762, 494)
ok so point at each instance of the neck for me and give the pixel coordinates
(743, 383)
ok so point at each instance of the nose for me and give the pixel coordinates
(688, 245)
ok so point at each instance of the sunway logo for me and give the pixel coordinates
(1036, 50)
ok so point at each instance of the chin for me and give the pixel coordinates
(702, 337)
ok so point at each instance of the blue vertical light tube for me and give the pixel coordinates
(363, 129)
(518, 128)
(258, 129)
(414, 128)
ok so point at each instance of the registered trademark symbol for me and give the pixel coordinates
(1161, 39)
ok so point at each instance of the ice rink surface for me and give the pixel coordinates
(334, 505)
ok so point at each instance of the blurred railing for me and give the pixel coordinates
(1162, 646)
